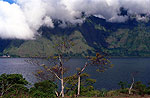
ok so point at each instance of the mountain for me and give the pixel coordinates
(44, 46)
(131, 38)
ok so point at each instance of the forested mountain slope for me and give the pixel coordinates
(131, 38)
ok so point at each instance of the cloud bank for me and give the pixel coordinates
(22, 19)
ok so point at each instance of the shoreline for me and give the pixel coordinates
(113, 57)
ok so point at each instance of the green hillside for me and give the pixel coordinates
(126, 42)
(131, 38)
(45, 47)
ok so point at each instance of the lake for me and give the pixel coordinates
(123, 67)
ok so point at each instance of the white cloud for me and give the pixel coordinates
(22, 19)
(13, 23)
(118, 19)
(136, 6)
(48, 22)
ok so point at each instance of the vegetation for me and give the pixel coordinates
(128, 42)
(117, 39)
(87, 88)
(14, 86)
(43, 89)
(56, 68)
(101, 61)
(44, 47)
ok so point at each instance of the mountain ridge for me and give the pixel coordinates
(131, 38)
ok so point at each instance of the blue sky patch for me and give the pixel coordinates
(9, 1)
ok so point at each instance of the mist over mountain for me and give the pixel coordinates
(21, 19)
(116, 27)
(130, 38)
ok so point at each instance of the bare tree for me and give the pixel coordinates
(101, 61)
(55, 69)
(133, 81)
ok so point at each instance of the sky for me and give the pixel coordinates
(10, 1)
(22, 19)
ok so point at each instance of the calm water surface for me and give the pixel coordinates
(109, 79)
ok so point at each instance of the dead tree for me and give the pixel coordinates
(133, 81)
(100, 61)
(55, 68)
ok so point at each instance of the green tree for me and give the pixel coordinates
(44, 89)
(10, 82)
(87, 88)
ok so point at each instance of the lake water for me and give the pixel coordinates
(123, 67)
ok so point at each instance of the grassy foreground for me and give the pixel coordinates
(118, 97)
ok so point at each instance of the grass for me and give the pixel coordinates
(119, 97)
(132, 96)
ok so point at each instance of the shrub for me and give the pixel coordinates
(124, 91)
(112, 93)
(139, 88)
(89, 91)
(44, 89)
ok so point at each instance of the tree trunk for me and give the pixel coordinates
(131, 86)
(56, 93)
(62, 75)
(62, 87)
(79, 83)
(79, 78)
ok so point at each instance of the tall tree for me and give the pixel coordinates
(100, 61)
(56, 66)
